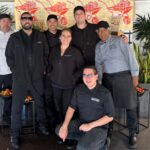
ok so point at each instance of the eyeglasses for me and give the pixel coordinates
(88, 75)
(26, 18)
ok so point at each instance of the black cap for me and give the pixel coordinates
(5, 16)
(103, 24)
(78, 8)
(52, 16)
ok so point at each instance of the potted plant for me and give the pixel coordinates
(144, 78)
(144, 64)
(141, 27)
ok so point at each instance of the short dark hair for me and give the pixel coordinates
(78, 8)
(5, 16)
(103, 24)
(91, 67)
(24, 13)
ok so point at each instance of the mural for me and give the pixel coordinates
(119, 13)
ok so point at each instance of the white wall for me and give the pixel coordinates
(142, 7)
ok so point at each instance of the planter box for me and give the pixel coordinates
(144, 101)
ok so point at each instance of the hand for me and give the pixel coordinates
(85, 127)
(135, 81)
(63, 132)
(124, 38)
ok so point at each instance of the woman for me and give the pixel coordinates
(66, 63)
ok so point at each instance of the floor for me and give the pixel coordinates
(40, 142)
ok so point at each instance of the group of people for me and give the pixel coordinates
(49, 66)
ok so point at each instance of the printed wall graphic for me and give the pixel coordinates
(119, 13)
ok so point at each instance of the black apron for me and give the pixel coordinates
(121, 88)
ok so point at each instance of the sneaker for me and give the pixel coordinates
(14, 142)
(59, 141)
(133, 141)
(70, 144)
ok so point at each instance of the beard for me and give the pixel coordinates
(27, 26)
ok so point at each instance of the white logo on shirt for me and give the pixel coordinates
(95, 99)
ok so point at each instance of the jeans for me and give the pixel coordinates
(94, 139)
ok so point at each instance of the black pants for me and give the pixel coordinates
(62, 98)
(49, 102)
(6, 82)
(19, 94)
(94, 139)
(123, 98)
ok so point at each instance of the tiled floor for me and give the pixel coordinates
(40, 142)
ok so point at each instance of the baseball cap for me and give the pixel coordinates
(103, 24)
(5, 16)
(52, 16)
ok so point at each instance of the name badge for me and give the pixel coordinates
(95, 99)
(39, 42)
(67, 55)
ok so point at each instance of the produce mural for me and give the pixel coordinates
(119, 13)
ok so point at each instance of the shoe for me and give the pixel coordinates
(108, 142)
(132, 141)
(43, 130)
(14, 142)
(70, 144)
(59, 141)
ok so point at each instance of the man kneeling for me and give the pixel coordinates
(95, 106)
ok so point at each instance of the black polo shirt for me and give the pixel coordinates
(92, 104)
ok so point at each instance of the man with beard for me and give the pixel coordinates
(26, 55)
(5, 73)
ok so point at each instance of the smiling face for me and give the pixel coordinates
(52, 25)
(5, 24)
(90, 78)
(103, 34)
(26, 21)
(65, 37)
(80, 17)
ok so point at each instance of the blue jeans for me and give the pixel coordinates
(94, 139)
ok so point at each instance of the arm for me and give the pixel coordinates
(131, 61)
(46, 52)
(63, 132)
(108, 110)
(100, 122)
(79, 64)
(98, 62)
(9, 53)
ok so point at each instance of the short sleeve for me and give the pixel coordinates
(73, 103)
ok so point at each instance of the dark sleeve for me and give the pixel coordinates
(108, 105)
(50, 59)
(46, 52)
(9, 53)
(73, 103)
(79, 63)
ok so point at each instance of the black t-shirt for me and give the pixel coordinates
(85, 40)
(28, 44)
(52, 39)
(92, 104)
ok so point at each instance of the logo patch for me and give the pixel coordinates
(95, 99)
